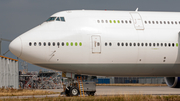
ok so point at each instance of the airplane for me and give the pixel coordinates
(105, 43)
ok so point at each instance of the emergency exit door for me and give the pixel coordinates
(138, 23)
(96, 44)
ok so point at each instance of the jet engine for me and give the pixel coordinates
(173, 82)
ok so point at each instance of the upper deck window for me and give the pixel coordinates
(51, 19)
(62, 19)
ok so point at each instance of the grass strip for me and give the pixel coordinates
(104, 98)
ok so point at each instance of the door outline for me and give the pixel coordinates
(138, 23)
(96, 44)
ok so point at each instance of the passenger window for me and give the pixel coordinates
(168, 22)
(175, 22)
(157, 44)
(58, 44)
(44, 43)
(142, 44)
(53, 43)
(172, 22)
(138, 44)
(160, 22)
(80, 44)
(58, 19)
(126, 44)
(71, 43)
(114, 21)
(122, 21)
(130, 44)
(106, 21)
(102, 21)
(122, 44)
(173, 44)
(130, 21)
(98, 21)
(153, 22)
(49, 44)
(126, 21)
(105, 43)
(67, 43)
(169, 45)
(110, 44)
(34, 43)
(118, 44)
(161, 44)
(165, 44)
(145, 22)
(156, 22)
(164, 22)
(110, 21)
(76, 43)
(154, 44)
(150, 44)
(118, 21)
(62, 19)
(30, 43)
(146, 44)
(98, 44)
(39, 43)
(149, 22)
(62, 43)
(134, 44)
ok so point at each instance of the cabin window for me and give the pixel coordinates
(157, 44)
(160, 22)
(30, 43)
(149, 22)
(80, 44)
(161, 44)
(62, 19)
(110, 44)
(122, 21)
(173, 44)
(35, 43)
(71, 43)
(168, 22)
(49, 44)
(98, 21)
(134, 44)
(142, 44)
(67, 44)
(106, 21)
(169, 45)
(126, 21)
(153, 22)
(172, 22)
(114, 21)
(130, 21)
(150, 44)
(98, 44)
(58, 44)
(130, 44)
(118, 44)
(118, 21)
(110, 21)
(126, 44)
(165, 44)
(154, 44)
(62, 43)
(138, 44)
(102, 21)
(39, 43)
(53, 43)
(58, 19)
(122, 44)
(146, 44)
(76, 43)
(44, 43)
(156, 22)
(175, 22)
(145, 22)
(164, 22)
(51, 19)
(106, 44)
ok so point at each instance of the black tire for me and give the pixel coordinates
(92, 93)
(67, 92)
(74, 91)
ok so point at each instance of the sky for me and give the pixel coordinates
(19, 16)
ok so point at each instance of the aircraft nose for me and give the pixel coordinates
(16, 47)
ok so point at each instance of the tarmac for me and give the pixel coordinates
(116, 90)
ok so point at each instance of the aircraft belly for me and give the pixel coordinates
(117, 69)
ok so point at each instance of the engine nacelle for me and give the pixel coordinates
(173, 82)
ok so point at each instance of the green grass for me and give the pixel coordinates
(104, 98)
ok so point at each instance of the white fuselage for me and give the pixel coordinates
(108, 43)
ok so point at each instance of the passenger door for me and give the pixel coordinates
(138, 23)
(96, 44)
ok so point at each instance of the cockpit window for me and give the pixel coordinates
(62, 19)
(57, 19)
(51, 19)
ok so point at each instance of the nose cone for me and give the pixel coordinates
(16, 47)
